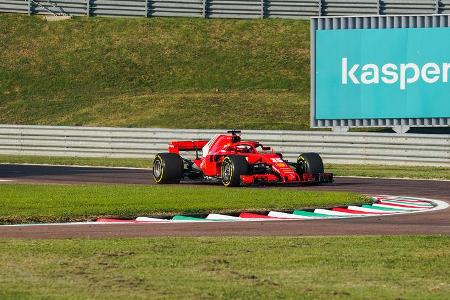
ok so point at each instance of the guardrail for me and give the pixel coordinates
(292, 9)
(346, 148)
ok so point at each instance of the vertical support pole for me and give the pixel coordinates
(312, 29)
(436, 8)
(204, 9)
(319, 10)
(262, 9)
(88, 8)
(378, 7)
(146, 8)
(29, 7)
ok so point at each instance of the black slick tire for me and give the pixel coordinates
(310, 163)
(233, 167)
(167, 168)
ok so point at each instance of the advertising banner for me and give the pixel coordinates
(382, 73)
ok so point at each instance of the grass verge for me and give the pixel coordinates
(387, 171)
(400, 267)
(48, 203)
(155, 72)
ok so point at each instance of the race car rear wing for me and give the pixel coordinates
(177, 146)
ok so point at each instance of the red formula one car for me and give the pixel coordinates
(228, 159)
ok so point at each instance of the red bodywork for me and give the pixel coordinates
(214, 151)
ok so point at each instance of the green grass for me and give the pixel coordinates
(155, 72)
(400, 267)
(48, 203)
(78, 161)
(422, 172)
(380, 171)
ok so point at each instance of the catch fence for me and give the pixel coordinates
(291, 9)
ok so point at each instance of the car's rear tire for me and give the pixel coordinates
(167, 168)
(233, 167)
(310, 163)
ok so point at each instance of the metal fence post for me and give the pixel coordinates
(88, 8)
(319, 10)
(262, 9)
(146, 8)
(437, 4)
(204, 8)
(378, 7)
(29, 7)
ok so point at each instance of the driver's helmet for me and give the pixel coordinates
(235, 138)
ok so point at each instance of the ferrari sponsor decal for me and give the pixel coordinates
(277, 160)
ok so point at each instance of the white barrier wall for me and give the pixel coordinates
(346, 148)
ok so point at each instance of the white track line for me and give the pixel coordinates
(365, 209)
(282, 215)
(409, 199)
(439, 205)
(147, 219)
(400, 207)
(223, 217)
(334, 213)
(365, 213)
(404, 202)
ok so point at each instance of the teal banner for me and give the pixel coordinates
(382, 73)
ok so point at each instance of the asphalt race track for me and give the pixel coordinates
(437, 222)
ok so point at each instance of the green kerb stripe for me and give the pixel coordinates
(185, 218)
(310, 214)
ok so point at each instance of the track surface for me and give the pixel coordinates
(421, 223)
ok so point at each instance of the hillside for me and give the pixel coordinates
(157, 72)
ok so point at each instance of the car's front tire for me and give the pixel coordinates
(310, 163)
(167, 168)
(233, 167)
